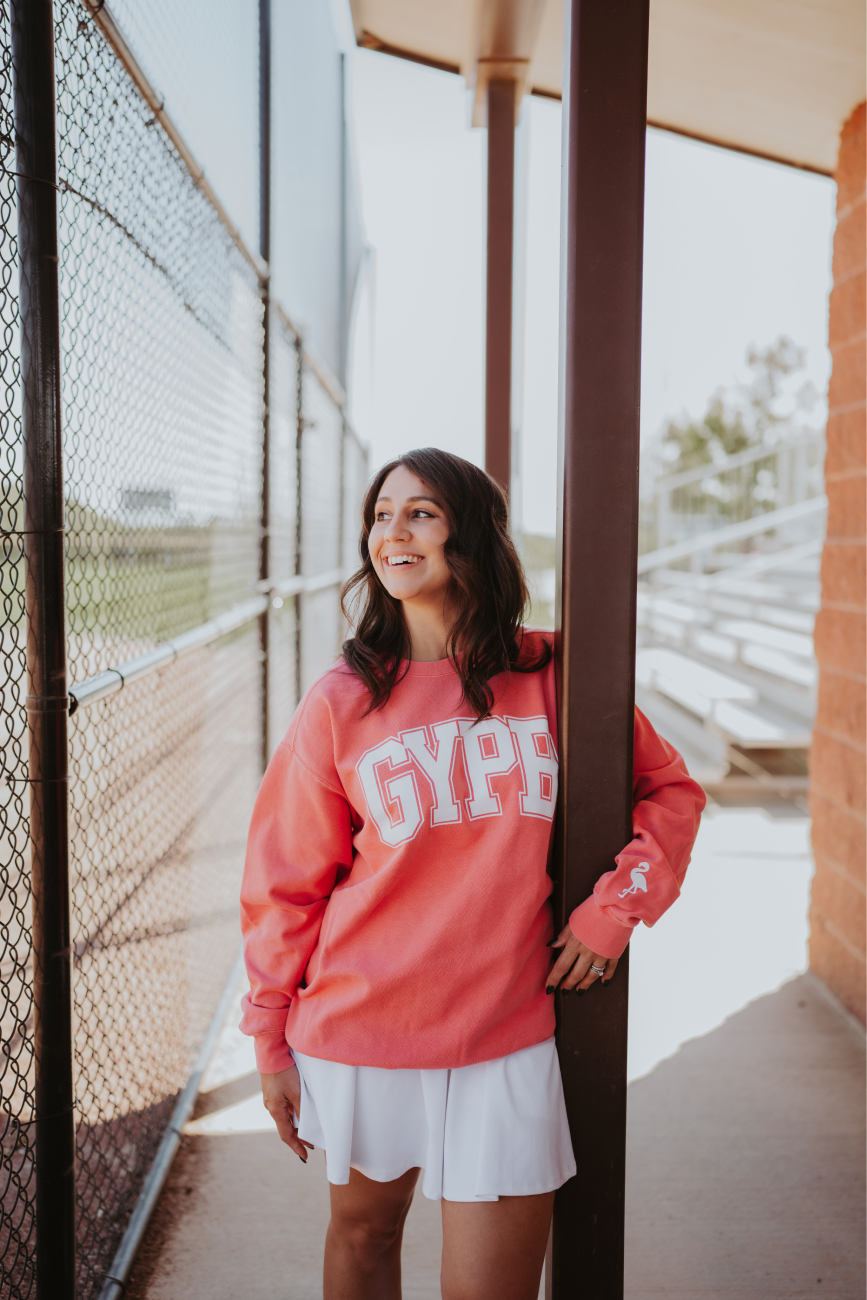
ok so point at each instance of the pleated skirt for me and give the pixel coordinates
(479, 1132)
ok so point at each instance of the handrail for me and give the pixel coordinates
(761, 564)
(133, 670)
(748, 457)
(297, 585)
(730, 533)
(112, 680)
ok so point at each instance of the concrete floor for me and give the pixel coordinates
(748, 1117)
(745, 1176)
(745, 1159)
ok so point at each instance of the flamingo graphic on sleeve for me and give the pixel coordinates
(639, 880)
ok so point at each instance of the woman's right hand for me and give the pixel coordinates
(282, 1096)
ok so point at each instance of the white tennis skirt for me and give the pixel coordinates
(480, 1132)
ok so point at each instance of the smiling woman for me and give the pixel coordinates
(396, 899)
(440, 574)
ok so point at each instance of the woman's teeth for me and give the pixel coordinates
(403, 559)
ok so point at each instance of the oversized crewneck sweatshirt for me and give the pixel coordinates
(395, 903)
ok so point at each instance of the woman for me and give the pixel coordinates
(396, 906)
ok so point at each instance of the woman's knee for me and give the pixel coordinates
(369, 1237)
(367, 1217)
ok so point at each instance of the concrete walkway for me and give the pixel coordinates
(745, 1159)
(745, 1153)
(745, 1176)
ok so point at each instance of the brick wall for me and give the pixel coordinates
(837, 768)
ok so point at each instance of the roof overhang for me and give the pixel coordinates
(775, 78)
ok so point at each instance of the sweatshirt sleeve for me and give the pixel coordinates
(300, 838)
(666, 811)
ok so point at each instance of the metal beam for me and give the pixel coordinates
(32, 24)
(112, 680)
(604, 131)
(498, 329)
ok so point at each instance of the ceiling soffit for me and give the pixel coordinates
(776, 78)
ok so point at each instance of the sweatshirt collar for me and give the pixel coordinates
(431, 668)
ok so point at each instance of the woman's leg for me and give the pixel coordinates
(362, 1245)
(495, 1248)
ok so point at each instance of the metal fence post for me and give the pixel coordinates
(265, 253)
(299, 497)
(604, 142)
(32, 24)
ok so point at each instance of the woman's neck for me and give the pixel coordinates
(428, 628)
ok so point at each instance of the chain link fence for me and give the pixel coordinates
(162, 336)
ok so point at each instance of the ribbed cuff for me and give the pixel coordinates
(597, 931)
(272, 1053)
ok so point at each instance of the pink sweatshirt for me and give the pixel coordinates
(395, 904)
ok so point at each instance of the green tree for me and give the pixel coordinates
(755, 414)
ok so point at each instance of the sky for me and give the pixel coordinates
(737, 253)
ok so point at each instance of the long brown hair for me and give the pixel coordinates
(489, 588)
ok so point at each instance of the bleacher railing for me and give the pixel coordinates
(737, 490)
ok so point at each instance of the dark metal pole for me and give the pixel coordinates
(498, 326)
(604, 116)
(265, 253)
(45, 604)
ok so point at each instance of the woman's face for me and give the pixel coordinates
(407, 539)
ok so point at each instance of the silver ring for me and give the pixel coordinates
(598, 970)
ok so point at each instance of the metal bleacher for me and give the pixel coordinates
(725, 665)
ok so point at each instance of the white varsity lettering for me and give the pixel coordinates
(437, 766)
(489, 751)
(491, 748)
(539, 766)
(399, 790)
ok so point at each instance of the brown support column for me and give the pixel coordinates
(498, 336)
(32, 31)
(604, 114)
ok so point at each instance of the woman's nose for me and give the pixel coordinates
(397, 530)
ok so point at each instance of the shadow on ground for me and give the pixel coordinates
(744, 1179)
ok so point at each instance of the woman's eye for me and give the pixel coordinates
(381, 516)
(422, 514)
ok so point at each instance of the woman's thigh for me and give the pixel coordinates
(371, 1207)
(495, 1247)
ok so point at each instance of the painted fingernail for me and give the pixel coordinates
(551, 943)
(580, 991)
(605, 983)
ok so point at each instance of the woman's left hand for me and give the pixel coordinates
(574, 968)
